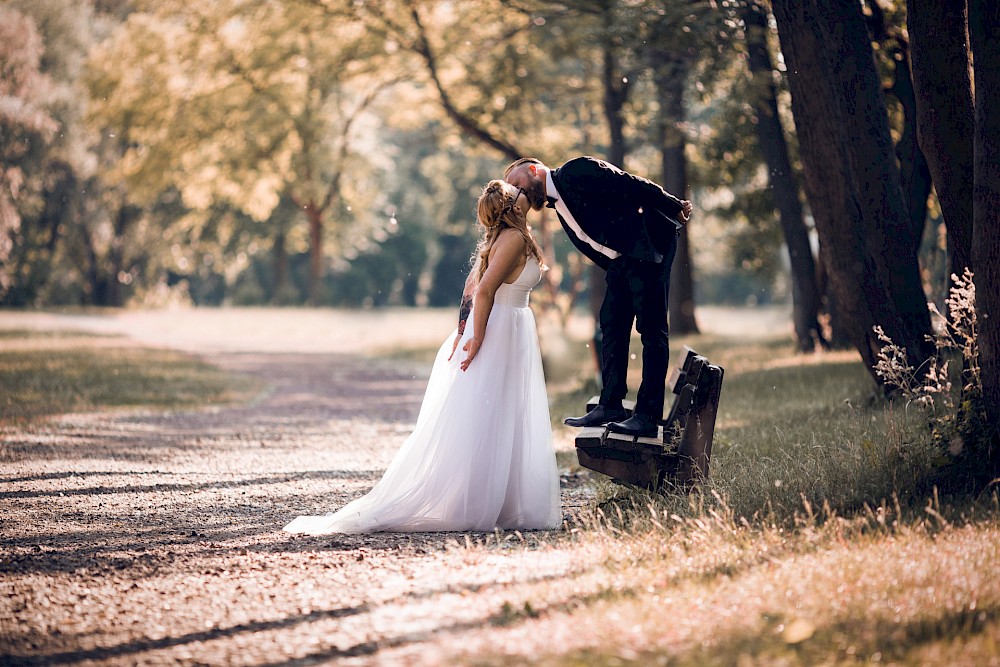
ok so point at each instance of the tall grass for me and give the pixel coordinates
(813, 433)
(696, 583)
(796, 431)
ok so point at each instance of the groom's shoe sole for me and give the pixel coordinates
(591, 419)
(633, 428)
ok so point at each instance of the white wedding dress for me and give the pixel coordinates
(480, 456)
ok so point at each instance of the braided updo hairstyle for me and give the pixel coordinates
(495, 211)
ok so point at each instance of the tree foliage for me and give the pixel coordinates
(45, 151)
(24, 121)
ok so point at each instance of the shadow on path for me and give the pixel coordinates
(180, 503)
(141, 645)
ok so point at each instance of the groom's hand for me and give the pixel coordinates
(686, 209)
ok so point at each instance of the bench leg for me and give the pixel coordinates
(695, 448)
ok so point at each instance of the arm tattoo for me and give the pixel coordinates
(463, 312)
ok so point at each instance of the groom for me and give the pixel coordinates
(628, 226)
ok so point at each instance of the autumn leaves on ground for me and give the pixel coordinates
(149, 460)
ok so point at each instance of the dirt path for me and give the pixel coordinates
(155, 538)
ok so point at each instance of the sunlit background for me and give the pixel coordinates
(329, 152)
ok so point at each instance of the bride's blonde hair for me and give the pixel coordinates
(495, 211)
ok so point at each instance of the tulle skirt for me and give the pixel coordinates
(480, 456)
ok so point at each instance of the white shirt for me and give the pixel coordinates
(563, 210)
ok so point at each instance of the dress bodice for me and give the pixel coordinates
(515, 294)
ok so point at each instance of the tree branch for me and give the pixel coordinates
(423, 49)
(331, 191)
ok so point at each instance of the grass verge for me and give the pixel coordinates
(46, 373)
(793, 430)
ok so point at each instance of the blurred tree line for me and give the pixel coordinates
(330, 152)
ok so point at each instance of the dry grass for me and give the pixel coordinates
(712, 591)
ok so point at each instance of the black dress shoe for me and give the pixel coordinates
(599, 416)
(642, 426)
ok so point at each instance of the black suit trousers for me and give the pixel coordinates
(637, 293)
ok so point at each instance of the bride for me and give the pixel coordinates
(480, 456)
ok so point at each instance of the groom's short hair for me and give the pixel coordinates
(516, 164)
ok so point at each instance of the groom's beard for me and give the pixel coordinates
(535, 192)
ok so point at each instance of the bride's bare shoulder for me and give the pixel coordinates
(511, 238)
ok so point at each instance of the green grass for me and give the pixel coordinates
(797, 430)
(33, 334)
(792, 429)
(61, 372)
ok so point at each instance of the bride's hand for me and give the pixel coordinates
(472, 347)
(454, 346)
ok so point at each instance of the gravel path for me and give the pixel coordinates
(152, 538)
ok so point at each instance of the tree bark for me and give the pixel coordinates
(94, 290)
(851, 176)
(892, 241)
(839, 337)
(784, 186)
(828, 179)
(669, 76)
(915, 175)
(681, 305)
(942, 83)
(116, 260)
(984, 34)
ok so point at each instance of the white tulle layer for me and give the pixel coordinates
(480, 456)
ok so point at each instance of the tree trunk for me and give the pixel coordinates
(805, 290)
(915, 175)
(279, 257)
(315, 218)
(984, 33)
(839, 337)
(892, 241)
(615, 95)
(670, 76)
(62, 211)
(828, 180)
(116, 257)
(942, 83)
(851, 177)
(680, 304)
(94, 290)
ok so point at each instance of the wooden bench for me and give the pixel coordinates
(680, 454)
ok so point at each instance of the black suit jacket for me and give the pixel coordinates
(627, 213)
